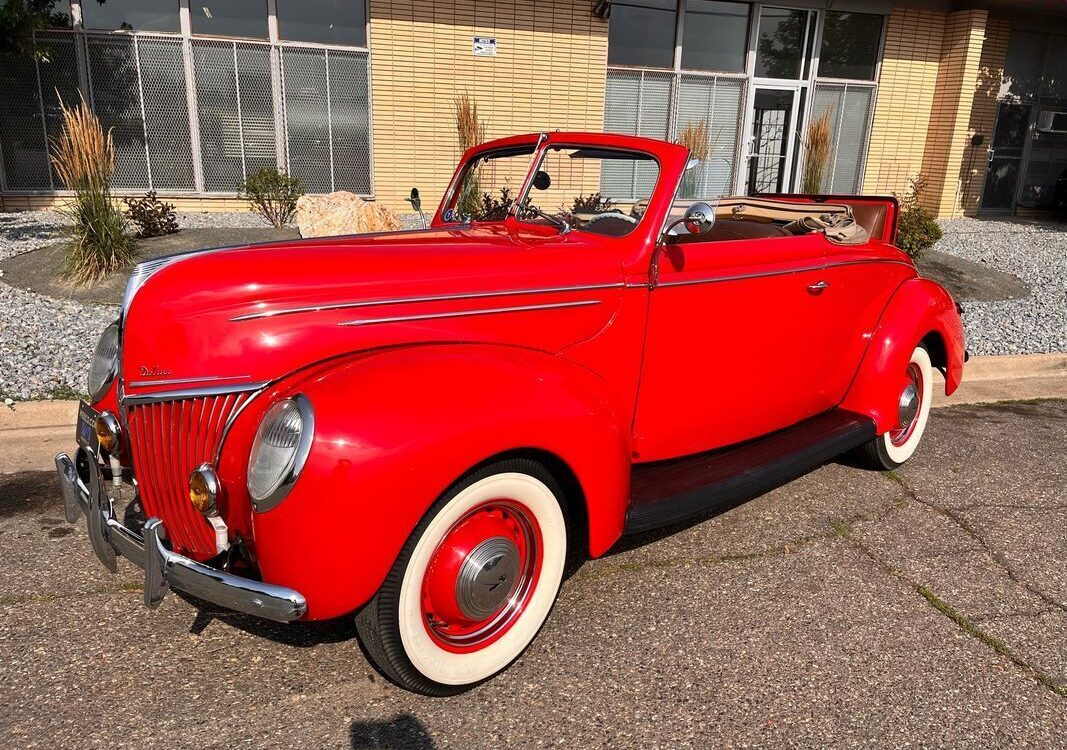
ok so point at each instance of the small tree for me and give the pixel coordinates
(917, 231)
(816, 153)
(272, 195)
(84, 159)
(20, 18)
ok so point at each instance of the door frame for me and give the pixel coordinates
(747, 139)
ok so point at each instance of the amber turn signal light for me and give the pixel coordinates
(204, 489)
(107, 433)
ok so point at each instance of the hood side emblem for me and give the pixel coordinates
(153, 372)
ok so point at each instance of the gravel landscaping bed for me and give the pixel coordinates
(1037, 254)
(46, 343)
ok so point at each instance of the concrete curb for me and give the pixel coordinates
(32, 432)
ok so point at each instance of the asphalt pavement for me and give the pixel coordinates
(920, 608)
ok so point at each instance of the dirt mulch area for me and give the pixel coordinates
(38, 270)
(966, 279)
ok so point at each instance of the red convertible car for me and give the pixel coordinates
(422, 428)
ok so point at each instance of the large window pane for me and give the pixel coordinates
(849, 46)
(636, 103)
(716, 103)
(715, 35)
(642, 33)
(323, 21)
(849, 108)
(780, 47)
(247, 18)
(131, 15)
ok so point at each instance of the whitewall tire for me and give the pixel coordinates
(915, 394)
(474, 583)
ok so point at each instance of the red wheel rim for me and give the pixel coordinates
(481, 576)
(913, 382)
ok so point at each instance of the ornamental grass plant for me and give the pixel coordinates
(470, 131)
(697, 138)
(816, 153)
(83, 156)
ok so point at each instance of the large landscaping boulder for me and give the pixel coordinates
(342, 213)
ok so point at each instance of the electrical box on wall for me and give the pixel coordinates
(1051, 121)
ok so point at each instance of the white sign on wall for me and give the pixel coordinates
(485, 46)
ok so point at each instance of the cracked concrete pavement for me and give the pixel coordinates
(925, 607)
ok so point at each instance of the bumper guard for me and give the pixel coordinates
(164, 569)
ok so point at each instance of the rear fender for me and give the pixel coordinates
(917, 310)
(394, 429)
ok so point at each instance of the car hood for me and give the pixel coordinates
(255, 313)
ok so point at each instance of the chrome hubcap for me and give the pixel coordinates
(909, 405)
(488, 578)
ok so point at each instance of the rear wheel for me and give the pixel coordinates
(474, 583)
(915, 391)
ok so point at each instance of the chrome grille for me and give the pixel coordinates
(169, 440)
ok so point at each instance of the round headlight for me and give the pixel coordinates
(279, 451)
(105, 362)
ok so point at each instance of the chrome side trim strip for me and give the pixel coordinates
(785, 272)
(467, 313)
(430, 298)
(180, 381)
(175, 395)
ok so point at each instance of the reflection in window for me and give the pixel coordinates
(131, 15)
(714, 35)
(780, 47)
(246, 18)
(849, 46)
(642, 33)
(323, 21)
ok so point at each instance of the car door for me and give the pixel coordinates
(732, 348)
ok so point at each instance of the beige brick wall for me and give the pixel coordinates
(983, 112)
(548, 73)
(906, 88)
(948, 137)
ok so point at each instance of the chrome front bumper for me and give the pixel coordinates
(164, 569)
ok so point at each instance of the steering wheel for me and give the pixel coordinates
(611, 223)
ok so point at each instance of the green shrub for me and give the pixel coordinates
(84, 159)
(917, 230)
(594, 203)
(273, 195)
(153, 217)
(495, 209)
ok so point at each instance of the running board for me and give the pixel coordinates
(667, 492)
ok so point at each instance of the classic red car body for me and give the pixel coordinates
(429, 352)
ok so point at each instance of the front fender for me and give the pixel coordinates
(395, 428)
(917, 309)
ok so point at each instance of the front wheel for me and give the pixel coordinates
(915, 392)
(473, 584)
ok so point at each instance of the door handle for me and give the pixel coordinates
(818, 287)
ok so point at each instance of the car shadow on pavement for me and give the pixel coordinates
(300, 634)
(402, 731)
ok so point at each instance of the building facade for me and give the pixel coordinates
(359, 95)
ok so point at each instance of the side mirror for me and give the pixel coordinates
(699, 218)
(415, 200)
(541, 180)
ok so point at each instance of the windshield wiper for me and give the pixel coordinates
(559, 223)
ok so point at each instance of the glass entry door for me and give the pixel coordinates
(1006, 157)
(773, 117)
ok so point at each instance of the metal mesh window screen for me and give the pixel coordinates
(716, 102)
(137, 87)
(350, 121)
(29, 111)
(307, 118)
(636, 103)
(236, 112)
(166, 113)
(116, 99)
(850, 110)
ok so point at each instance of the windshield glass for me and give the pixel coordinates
(488, 186)
(593, 189)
